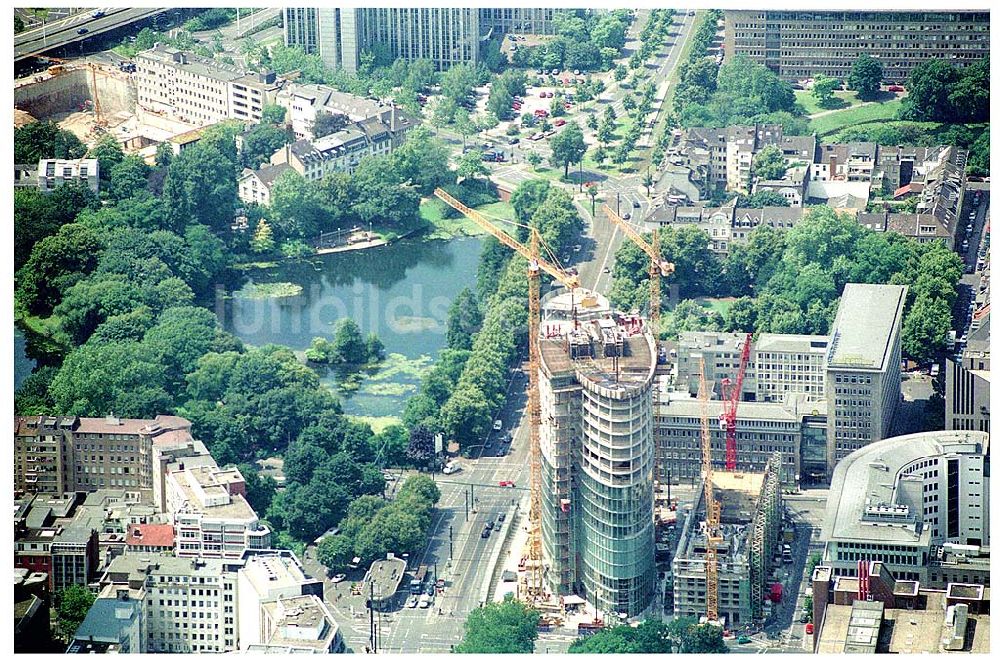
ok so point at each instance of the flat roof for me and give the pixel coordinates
(861, 336)
(266, 571)
(303, 622)
(870, 476)
(790, 343)
(163, 563)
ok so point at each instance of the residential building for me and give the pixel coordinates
(847, 162)
(863, 367)
(341, 151)
(902, 501)
(190, 602)
(597, 452)
(200, 91)
(74, 553)
(750, 523)
(62, 454)
(112, 625)
(25, 175)
(255, 184)
(57, 172)
(149, 538)
(800, 44)
(792, 187)
(967, 384)
(267, 576)
(446, 35)
(303, 101)
(300, 624)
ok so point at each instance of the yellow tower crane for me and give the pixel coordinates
(536, 264)
(713, 509)
(657, 267)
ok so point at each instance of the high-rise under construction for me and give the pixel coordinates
(596, 378)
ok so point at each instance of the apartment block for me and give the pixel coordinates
(56, 172)
(298, 625)
(200, 91)
(340, 152)
(799, 44)
(113, 625)
(304, 101)
(60, 454)
(266, 577)
(863, 367)
(909, 501)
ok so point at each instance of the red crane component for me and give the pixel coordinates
(731, 401)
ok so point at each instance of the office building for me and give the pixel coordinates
(56, 455)
(874, 613)
(967, 384)
(596, 440)
(55, 173)
(297, 625)
(910, 502)
(190, 602)
(750, 525)
(863, 367)
(200, 91)
(798, 44)
(445, 35)
(268, 576)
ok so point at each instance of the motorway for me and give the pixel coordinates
(56, 34)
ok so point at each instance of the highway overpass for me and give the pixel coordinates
(58, 34)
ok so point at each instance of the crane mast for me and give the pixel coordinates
(536, 265)
(730, 403)
(712, 508)
(657, 267)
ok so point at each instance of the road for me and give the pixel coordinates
(56, 34)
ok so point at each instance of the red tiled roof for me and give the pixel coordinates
(150, 535)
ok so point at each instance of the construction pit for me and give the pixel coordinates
(750, 530)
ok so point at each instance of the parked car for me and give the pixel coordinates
(451, 468)
(339, 578)
(895, 88)
(627, 216)
(412, 602)
(98, 14)
(559, 123)
(514, 141)
(636, 204)
(425, 601)
(507, 484)
(440, 583)
(501, 517)
(537, 136)
(498, 424)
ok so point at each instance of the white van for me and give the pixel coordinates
(425, 601)
(451, 467)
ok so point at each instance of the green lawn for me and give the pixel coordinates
(860, 115)
(719, 305)
(432, 213)
(846, 99)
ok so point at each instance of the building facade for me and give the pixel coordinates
(597, 453)
(967, 384)
(863, 367)
(55, 173)
(804, 44)
(900, 501)
(445, 35)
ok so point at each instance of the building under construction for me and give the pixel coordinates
(750, 525)
(596, 377)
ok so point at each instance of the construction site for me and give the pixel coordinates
(747, 543)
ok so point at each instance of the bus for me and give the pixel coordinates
(417, 582)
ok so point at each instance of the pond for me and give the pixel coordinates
(401, 292)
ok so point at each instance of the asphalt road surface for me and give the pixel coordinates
(55, 34)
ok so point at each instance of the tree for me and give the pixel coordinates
(620, 73)
(109, 153)
(464, 125)
(73, 604)
(928, 91)
(650, 637)
(348, 343)
(769, 164)
(297, 209)
(592, 121)
(525, 200)
(767, 198)
(925, 329)
(500, 628)
(471, 165)
(327, 123)
(273, 114)
(263, 238)
(128, 178)
(647, 182)
(464, 320)
(261, 142)
(534, 159)
(260, 490)
(421, 447)
(200, 186)
(866, 77)
(568, 146)
(592, 193)
(823, 89)
(335, 552)
(695, 638)
(45, 140)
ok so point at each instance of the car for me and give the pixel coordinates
(498, 424)
(514, 141)
(82, 31)
(440, 583)
(743, 640)
(429, 589)
(636, 204)
(895, 88)
(606, 270)
(627, 216)
(388, 476)
(506, 438)
(537, 136)
(567, 106)
(559, 123)
(507, 484)
(690, 12)
(501, 517)
(412, 602)
(339, 578)
(485, 533)
(98, 14)
(451, 468)
(425, 601)
(550, 133)
(555, 72)
(576, 72)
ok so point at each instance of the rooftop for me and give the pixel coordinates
(166, 563)
(161, 536)
(869, 478)
(274, 571)
(862, 332)
(301, 622)
(106, 622)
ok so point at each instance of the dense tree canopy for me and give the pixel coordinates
(500, 628)
(866, 76)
